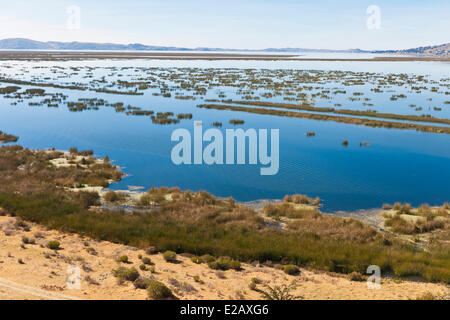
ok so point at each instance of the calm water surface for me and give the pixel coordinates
(399, 165)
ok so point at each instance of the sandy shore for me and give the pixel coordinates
(32, 271)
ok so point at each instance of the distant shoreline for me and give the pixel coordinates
(90, 55)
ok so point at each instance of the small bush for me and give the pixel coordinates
(123, 259)
(27, 240)
(224, 263)
(291, 270)
(283, 292)
(54, 245)
(158, 291)
(142, 283)
(128, 274)
(147, 261)
(196, 259)
(406, 209)
(206, 258)
(253, 284)
(170, 256)
(112, 196)
(198, 280)
(356, 276)
(256, 280)
(235, 265)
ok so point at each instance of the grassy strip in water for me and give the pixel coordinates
(51, 85)
(69, 87)
(132, 93)
(348, 120)
(364, 113)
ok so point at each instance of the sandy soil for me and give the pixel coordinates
(32, 271)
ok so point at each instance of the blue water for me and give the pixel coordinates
(399, 165)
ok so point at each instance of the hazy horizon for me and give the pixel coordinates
(232, 25)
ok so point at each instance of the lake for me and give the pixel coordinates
(395, 165)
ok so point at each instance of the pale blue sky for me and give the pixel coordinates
(252, 24)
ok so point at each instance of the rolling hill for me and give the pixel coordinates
(442, 50)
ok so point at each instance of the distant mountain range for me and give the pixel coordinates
(442, 50)
(28, 44)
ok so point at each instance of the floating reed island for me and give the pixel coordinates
(324, 117)
(5, 138)
(315, 91)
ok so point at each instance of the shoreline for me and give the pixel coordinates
(85, 55)
(286, 233)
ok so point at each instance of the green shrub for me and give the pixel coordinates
(206, 258)
(291, 270)
(123, 259)
(198, 280)
(406, 209)
(253, 284)
(283, 292)
(128, 274)
(142, 283)
(27, 240)
(158, 291)
(170, 256)
(112, 196)
(397, 206)
(224, 263)
(54, 245)
(143, 267)
(147, 261)
(236, 265)
(256, 280)
(214, 265)
(356, 276)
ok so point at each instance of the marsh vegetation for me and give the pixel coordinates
(4, 137)
(314, 91)
(201, 224)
